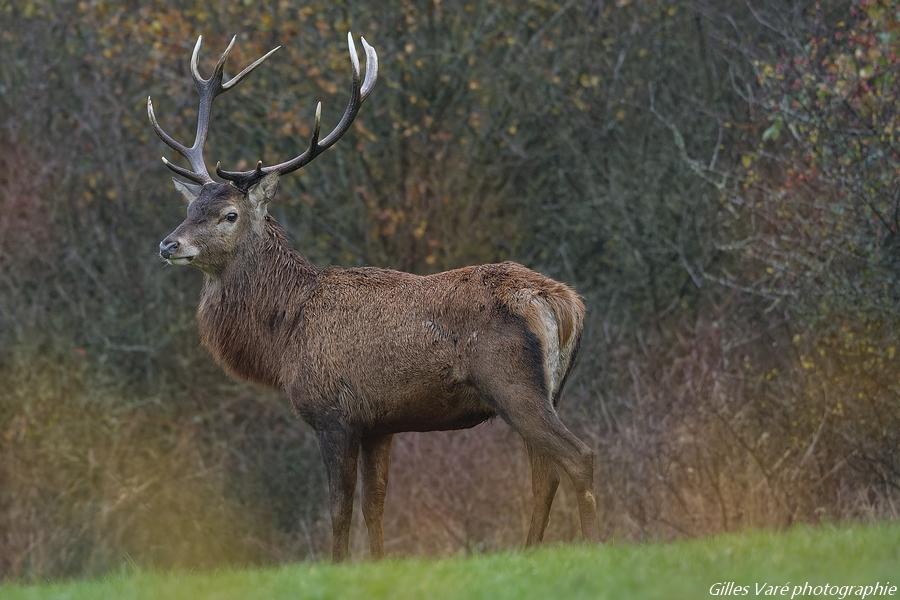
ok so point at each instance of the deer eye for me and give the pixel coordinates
(231, 217)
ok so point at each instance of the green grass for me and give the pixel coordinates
(828, 554)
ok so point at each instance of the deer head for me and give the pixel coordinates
(223, 216)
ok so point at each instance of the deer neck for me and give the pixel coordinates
(245, 310)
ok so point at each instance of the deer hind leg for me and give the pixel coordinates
(528, 410)
(544, 482)
(339, 451)
(547, 434)
(376, 458)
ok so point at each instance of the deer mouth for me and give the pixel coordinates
(179, 260)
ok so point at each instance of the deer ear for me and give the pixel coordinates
(189, 191)
(263, 192)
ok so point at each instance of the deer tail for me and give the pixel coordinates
(568, 311)
(554, 312)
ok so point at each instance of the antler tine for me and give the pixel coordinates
(195, 177)
(219, 70)
(352, 106)
(237, 78)
(195, 72)
(359, 91)
(168, 139)
(371, 69)
(207, 89)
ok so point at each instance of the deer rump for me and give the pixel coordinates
(386, 351)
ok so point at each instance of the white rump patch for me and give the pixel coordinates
(552, 363)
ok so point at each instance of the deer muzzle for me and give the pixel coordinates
(168, 247)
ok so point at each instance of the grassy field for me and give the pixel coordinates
(829, 554)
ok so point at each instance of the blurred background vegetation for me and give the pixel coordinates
(719, 179)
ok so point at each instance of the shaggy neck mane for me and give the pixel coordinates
(247, 312)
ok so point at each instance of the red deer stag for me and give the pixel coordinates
(364, 353)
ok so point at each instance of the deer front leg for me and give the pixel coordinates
(339, 451)
(376, 458)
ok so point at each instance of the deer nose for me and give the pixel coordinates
(167, 247)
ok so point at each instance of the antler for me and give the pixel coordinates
(208, 89)
(358, 93)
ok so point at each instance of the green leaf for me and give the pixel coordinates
(774, 131)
